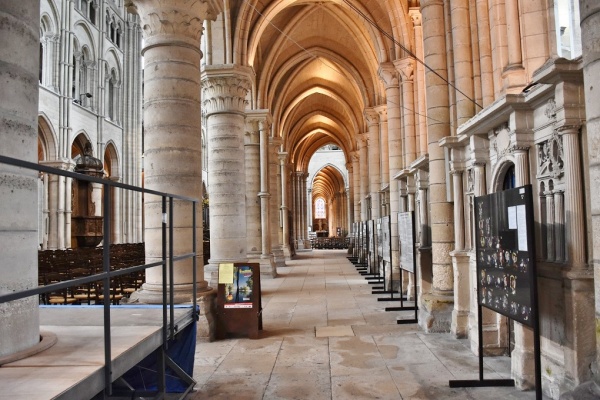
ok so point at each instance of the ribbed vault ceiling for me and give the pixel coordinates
(316, 66)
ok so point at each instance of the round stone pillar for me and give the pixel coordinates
(172, 140)
(19, 54)
(224, 90)
(437, 306)
(374, 167)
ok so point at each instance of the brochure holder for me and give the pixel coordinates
(239, 305)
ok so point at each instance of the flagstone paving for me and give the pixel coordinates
(325, 336)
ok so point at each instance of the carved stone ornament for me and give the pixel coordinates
(470, 180)
(550, 158)
(550, 110)
(225, 93)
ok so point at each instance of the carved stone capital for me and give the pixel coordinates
(166, 21)
(568, 130)
(415, 15)
(224, 90)
(371, 116)
(388, 74)
(282, 156)
(406, 68)
(382, 111)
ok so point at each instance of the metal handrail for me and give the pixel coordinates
(168, 328)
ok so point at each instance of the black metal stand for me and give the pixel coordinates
(481, 382)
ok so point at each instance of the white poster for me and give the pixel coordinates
(522, 227)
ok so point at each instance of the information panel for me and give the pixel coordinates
(506, 254)
(406, 238)
(385, 239)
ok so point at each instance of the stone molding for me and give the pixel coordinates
(415, 15)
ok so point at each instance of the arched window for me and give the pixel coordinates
(111, 98)
(320, 209)
(113, 31)
(118, 36)
(92, 13)
(41, 72)
(509, 179)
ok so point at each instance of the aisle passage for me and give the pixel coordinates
(327, 337)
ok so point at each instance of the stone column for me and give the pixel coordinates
(590, 38)
(463, 63)
(224, 89)
(579, 352)
(514, 73)
(415, 16)
(485, 53)
(172, 126)
(460, 260)
(364, 175)
(19, 73)
(522, 360)
(437, 306)
(389, 75)
(356, 184)
(422, 230)
(282, 156)
(275, 202)
(406, 68)
(252, 161)
(305, 213)
(374, 167)
(59, 205)
(259, 238)
(384, 147)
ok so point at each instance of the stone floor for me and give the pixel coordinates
(327, 337)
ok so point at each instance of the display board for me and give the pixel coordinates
(372, 246)
(239, 309)
(379, 237)
(364, 243)
(386, 239)
(406, 239)
(506, 254)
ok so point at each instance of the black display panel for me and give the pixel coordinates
(385, 239)
(406, 239)
(506, 254)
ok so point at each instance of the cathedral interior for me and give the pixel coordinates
(294, 120)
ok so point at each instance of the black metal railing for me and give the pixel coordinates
(169, 329)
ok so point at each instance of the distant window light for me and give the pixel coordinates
(320, 209)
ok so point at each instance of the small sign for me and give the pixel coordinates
(226, 273)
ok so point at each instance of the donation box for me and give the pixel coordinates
(239, 308)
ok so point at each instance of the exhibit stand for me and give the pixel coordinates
(506, 270)
(406, 246)
(239, 306)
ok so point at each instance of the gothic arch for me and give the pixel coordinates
(46, 139)
(111, 161)
(78, 144)
(499, 171)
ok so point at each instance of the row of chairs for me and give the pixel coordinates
(63, 265)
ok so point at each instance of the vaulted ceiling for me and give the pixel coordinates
(316, 64)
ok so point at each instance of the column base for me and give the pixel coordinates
(523, 359)
(287, 253)
(278, 259)
(586, 391)
(267, 265)
(205, 328)
(462, 297)
(435, 313)
(151, 293)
